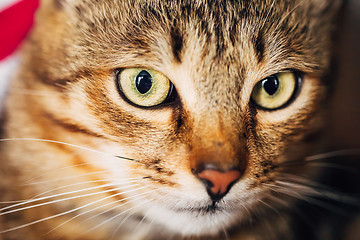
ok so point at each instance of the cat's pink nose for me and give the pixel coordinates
(218, 182)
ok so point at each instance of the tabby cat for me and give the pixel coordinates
(180, 119)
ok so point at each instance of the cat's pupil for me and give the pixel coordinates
(270, 84)
(143, 82)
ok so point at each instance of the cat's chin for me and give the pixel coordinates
(194, 221)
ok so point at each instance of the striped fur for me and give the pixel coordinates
(135, 179)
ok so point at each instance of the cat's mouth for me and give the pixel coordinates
(211, 208)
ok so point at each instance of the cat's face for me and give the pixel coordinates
(236, 89)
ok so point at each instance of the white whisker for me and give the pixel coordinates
(56, 170)
(11, 202)
(68, 144)
(281, 189)
(120, 201)
(128, 180)
(67, 178)
(119, 225)
(145, 215)
(38, 198)
(287, 15)
(226, 235)
(279, 201)
(29, 182)
(309, 194)
(268, 13)
(286, 204)
(104, 205)
(116, 216)
(313, 201)
(299, 190)
(316, 163)
(74, 176)
(149, 228)
(333, 154)
(269, 206)
(47, 218)
(286, 177)
(59, 200)
(316, 190)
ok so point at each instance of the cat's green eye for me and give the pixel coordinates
(144, 87)
(276, 91)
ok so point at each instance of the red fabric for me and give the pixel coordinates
(15, 23)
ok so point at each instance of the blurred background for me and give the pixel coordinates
(344, 128)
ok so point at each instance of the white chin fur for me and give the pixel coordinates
(191, 223)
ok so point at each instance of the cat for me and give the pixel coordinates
(173, 120)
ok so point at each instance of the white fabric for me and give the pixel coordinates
(7, 69)
(7, 65)
(5, 3)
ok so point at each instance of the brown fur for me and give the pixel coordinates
(214, 52)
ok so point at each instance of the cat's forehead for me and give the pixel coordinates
(212, 48)
(205, 32)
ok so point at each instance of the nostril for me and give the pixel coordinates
(218, 182)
